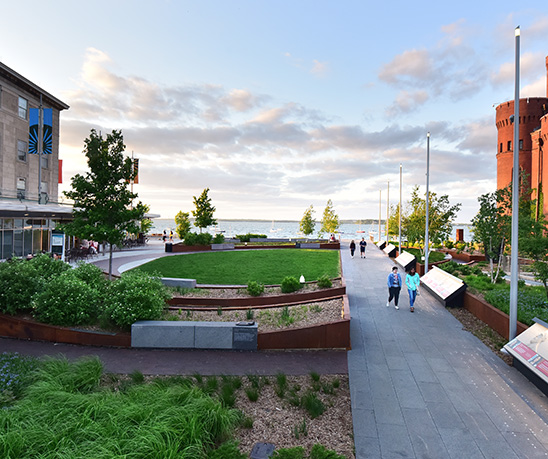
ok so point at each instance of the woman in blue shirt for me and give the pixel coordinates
(394, 287)
(412, 280)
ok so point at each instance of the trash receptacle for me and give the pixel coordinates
(169, 247)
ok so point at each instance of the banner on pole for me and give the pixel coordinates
(47, 131)
(136, 171)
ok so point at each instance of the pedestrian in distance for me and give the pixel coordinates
(363, 245)
(412, 280)
(352, 248)
(394, 287)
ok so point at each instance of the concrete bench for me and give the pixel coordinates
(308, 245)
(194, 335)
(176, 282)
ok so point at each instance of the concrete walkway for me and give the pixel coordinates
(422, 387)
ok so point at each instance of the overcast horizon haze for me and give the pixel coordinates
(276, 106)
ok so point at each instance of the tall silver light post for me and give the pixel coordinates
(514, 272)
(426, 241)
(399, 220)
(387, 210)
(380, 197)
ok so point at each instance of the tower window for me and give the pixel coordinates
(509, 145)
(23, 106)
(521, 144)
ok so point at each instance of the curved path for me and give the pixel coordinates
(422, 387)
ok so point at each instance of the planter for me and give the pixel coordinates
(322, 336)
(420, 267)
(464, 256)
(181, 248)
(496, 319)
(13, 327)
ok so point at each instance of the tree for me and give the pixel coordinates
(394, 221)
(440, 218)
(103, 209)
(307, 222)
(491, 226)
(182, 220)
(330, 220)
(203, 215)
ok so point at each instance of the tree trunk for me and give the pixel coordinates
(110, 262)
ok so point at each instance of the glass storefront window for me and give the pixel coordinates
(36, 241)
(18, 243)
(45, 241)
(8, 223)
(7, 244)
(18, 223)
(27, 242)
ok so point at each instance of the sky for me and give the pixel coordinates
(278, 105)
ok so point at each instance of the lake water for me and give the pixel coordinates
(288, 229)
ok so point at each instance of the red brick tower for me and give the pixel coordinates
(531, 110)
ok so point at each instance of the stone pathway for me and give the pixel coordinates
(422, 387)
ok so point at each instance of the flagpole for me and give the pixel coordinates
(39, 140)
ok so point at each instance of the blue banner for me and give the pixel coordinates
(47, 131)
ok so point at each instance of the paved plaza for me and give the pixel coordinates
(421, 386)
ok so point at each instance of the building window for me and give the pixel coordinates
(21, 188)
(23, 107)
(44, 161)
(509, 145)
(521, 144)
(501, 147)
(21, 150)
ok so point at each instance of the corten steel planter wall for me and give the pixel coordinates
(322, 336)
(306, 297)
(181, 248)
(260, 247)
(464, 256)
(496, 319)
(13, 327)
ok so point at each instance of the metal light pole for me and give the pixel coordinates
(380, 196)
(399, 220)
(515, 205)
(387, 210)
(426, 242)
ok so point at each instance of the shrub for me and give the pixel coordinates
(19, 282)
(67, 300)
(16, 373)
(219, 238)
(324, 281)
(290, 284)
(449, 244)
(290, 453)
(321, 452)
(312, 404)
(91, 275)
(531, 303)
(228, 450)
(254, 288)
(135, 296)
(198, 239)
(247, 237)
(48, 267)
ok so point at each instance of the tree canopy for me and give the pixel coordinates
(330, 220)
(203, 215)
(103, 204)
(182, 220)
(307, 222)
(441, 215)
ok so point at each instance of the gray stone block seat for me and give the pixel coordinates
(194, 335)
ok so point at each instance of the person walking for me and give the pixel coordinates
(363, 244)
(412, 280)
(394, 287)
(352, 248)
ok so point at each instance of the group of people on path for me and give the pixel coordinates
(412, 280)
(363, 245)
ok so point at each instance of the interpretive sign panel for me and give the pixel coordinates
(406, 260)
(448, 288)
(381, 244)
(530, 353)
(390, 250)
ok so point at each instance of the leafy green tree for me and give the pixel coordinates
(203, 215)
(307, 222)
(394, 221)
(491, 226)
(182, 220)
(146, 223)
(103, 209)
(330, 220)
(441, 217)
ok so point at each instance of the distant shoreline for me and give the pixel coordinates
(369, 221)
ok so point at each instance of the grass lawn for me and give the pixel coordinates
(432, 256)
(241, 267)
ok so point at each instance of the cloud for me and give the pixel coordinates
(319, 68)
(315, 67)
(407, 102)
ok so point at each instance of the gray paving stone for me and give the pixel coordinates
(526, 445)
(444, 415)
(428, 445)
(433, 392)
(460, 443)
(395, 441)
(365, 423)
(367, 447)
(388, 411)
(496, 449)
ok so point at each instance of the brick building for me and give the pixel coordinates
(533, 133)
(26, 220)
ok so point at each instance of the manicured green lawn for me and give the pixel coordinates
(432, 256)
(241, 267)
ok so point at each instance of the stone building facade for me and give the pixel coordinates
(26, 219)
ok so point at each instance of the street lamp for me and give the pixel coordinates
(515, 205)
(399, 222)
(426, 242)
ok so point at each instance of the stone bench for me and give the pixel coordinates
(176, 282)
(194, 335)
